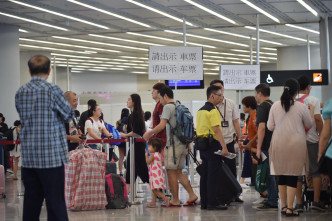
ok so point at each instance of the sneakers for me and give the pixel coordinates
(267, 207)
(320, 206)
(299, 208)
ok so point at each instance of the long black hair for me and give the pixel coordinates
(92, 108)
(291, 88)
(138, 113)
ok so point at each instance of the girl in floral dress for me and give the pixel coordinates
(156, 172)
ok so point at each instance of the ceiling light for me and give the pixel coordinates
(33, 21)
(158, 11)
(260, 10)
(55, 49)
(77, 56)
(210, 73)
(122, 39)
(282, 35)
(139, 72)
(270, 49)
(100, 43)
(22, 30)
(120, 69)
(73, 71)
(134, 57)
(210, 11)
(210, 63)
(59, 14)
(95, 70)
(109, 13)
(206, 38)
(67, 45)
(307, 7)
(241, 36)
(302, 28)
(254, 52)
(169, 39)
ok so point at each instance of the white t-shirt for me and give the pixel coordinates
(312, 134)
(96, 126)
(232, 113)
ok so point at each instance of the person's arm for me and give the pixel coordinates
(155, 130)
(324, 137)
(237, 127)
(260, 138)
(105, 132)
(130, 134)
(62, 106)
(319, 123)
(148, 159)
(220, 137)
(248, 146)
(92, 134)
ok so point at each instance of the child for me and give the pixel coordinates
(156, 172)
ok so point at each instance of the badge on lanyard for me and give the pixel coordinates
(224, 123)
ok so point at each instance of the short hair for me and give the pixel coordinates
(158, 86)
(77, 113)
(250, 102)
(92, 102)
(303, 82)
(168, 91)
(242, 116)
(211, 89)
(17, 123)
(147, 115)
(264, 89)
(156, 143)
(39, 64)
(68, 93)
(217, 81)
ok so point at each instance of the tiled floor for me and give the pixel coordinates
(11, 209)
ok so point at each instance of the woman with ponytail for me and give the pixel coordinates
(288, 119)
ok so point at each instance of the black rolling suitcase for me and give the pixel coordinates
(110, 167)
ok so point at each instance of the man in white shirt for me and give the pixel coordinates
(312, 145)
(230, 125)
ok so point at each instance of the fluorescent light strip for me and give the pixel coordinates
(126, 40)
(241, 36)
(302, 28)
(109, 13)
(55, 49)
(59, 14)
(260, 10)
(67, 45)
(73, 71)
(210, 73)
(206, 38)
(77, 56)
(159, 12)
(210, 11)
(22, 30)
(254, 52)
(134, 57)
(169, 39)
(99, 43)
(33, 21)
(139, 72)
(270, 49)
(282, 35)
(307, 7)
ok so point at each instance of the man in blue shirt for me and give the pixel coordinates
(43, 110)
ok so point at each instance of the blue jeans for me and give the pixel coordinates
(272, 189)
(93, 146)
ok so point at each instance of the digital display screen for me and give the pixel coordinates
(186, 84)
(278, 78)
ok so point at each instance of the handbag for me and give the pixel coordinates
(322, 164)
(261, 177)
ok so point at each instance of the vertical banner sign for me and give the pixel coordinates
(240, 77)
(175, 63)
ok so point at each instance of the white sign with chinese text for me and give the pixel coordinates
(175, 63)
(240, 77)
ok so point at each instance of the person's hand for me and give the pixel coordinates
(319, 157)
(243, 137)
(189, 147)
(258, 154)
(146, 155)
(75, 139)
(146, 136)
(224, 152)
(123, 135)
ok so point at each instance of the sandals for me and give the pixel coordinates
(283, 210)
(293, 213)
(151, 205)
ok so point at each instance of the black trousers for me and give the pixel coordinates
(231, 163)
(45, 184)
(210, 179)
(141, 168)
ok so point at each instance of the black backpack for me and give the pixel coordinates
(9, 136)
(116, 192)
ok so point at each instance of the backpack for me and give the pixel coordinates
(184, 129)
(116, 192)
(301, 99)
(114, 131)
(9, 136)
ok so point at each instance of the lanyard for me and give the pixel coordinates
(223, 117)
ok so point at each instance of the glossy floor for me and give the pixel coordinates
(11, 209)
